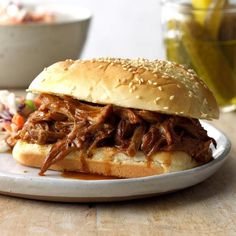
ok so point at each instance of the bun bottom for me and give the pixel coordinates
(106, 161)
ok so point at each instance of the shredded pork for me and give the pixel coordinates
(72, 125)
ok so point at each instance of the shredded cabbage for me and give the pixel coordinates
(8, 100)
(3, 145)
(10, 105)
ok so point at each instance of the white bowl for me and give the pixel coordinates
(26, 49)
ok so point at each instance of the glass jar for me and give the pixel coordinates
(204, 39)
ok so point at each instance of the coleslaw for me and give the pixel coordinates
(14, 111)
(14, 12)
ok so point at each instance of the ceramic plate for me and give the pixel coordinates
(17, 180)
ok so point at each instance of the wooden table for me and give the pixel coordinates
(206, 209)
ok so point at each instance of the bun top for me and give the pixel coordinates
(160, 86)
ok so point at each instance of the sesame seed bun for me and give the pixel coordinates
(159, 86)
(105, 162)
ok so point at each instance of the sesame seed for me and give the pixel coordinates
(172, 97)
(155, 83)
(69, 60)
(160, 88)
(178, 86)
(156, 100)
(205, 101)
(155, 75)
(131, 84)
(138, 97)
(100, 66)
(165, 108)
(190, 94)
(181, 112)
(149, 82)
(191, 71)
(134, 88)
(165, 77)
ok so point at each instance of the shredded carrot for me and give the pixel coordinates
(37, 102)
(7, 126)
(18, 120)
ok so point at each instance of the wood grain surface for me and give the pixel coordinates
(206, 209)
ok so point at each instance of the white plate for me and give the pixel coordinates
(17, 180)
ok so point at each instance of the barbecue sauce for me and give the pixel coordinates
(85, 176)
(70, 125)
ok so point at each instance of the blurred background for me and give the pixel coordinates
(197, 33)
(120, 28)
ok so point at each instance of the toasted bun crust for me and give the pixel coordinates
(105, 161)
(151, 85)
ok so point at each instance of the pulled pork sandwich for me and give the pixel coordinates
(117, 117)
